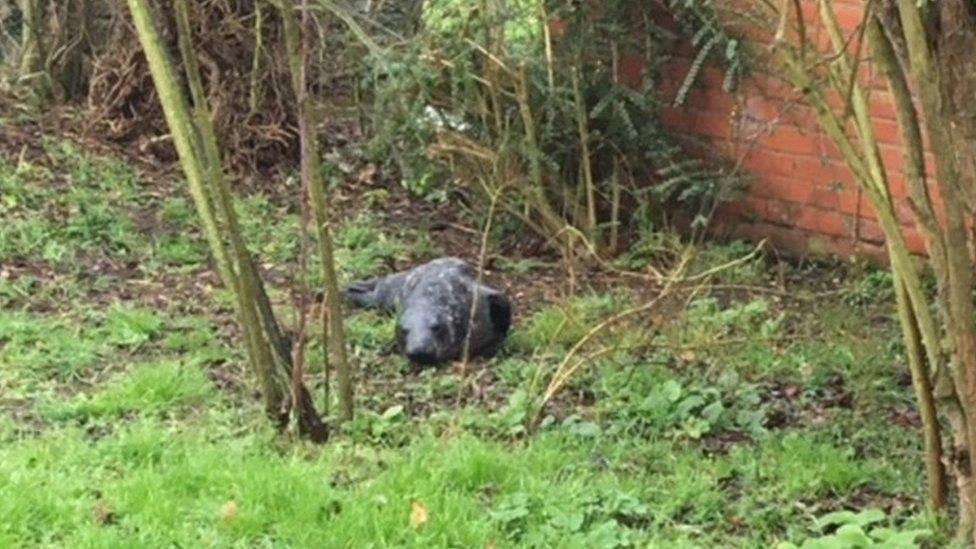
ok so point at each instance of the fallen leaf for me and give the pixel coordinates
(418, 514)
(228, 511)
(489, 545)
(688, 356)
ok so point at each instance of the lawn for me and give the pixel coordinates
(752, 411)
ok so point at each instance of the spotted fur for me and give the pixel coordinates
(433, 303)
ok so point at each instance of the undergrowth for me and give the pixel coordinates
(531, 95)
(127, 417)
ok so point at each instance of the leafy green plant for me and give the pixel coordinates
(130, 327)
(390, 427)
(860, 530)
(59, 225)
(583, 517)
(486, 97)
(692, 411)
(365, 248)
(875, 287)
(709, 322)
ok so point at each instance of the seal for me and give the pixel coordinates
(433, 303)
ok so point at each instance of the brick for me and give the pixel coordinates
(893, 158)
(799, 115)
(784, 189)
(804, 198)
(915, 242)
(896, 185)
(850, 202)
(732, 209)
(876, 252)
(766, 109)
(773, 211)
(780, 238)
(882, 106)
(849, 18)
(772, 86)
(677, 118)
(867, 209)
(822, 221)
(711, 124)
(886, 131)
(557, 27)
(822, 246)
(630, 70)
(904, 213)
(826, 198)
(826, 180)
(791, 140)
(711, 99)
(869, 230)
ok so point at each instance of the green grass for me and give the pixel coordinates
(128, 416)
(144, 389)
(55, 221)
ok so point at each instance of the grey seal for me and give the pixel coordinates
(433, 303)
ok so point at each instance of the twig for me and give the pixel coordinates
(564, 371)
(465, 356)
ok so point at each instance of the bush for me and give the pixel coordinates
(526, 95)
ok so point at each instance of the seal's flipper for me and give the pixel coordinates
(362, 294)
(377, 293)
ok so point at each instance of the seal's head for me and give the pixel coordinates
(426, 336)
(434, 323)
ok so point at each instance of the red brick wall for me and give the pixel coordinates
(802, 197)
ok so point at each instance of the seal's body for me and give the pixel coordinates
(434, 307)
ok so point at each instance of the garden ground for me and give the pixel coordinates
(744, 412)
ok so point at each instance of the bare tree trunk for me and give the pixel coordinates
(957, 70)
(32, 46)
(926, 53)
(931, 432)
(196, 145)
(296, 38)
(937, 90)
(71, 71)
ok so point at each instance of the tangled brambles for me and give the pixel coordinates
(244, 71)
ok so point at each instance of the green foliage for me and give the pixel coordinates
(802, 465)
(130, 327)
(126, 419)
(460, 78)
(859, 530)
(674, 410)
(59, 221)
(269, 229)
(369, 330)
(561, 325)
(583, 518)
(147, 389)
(739, 271)
(364, 248)
(651, 247)
(875, 287)
(699, 20)
(46, 346)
